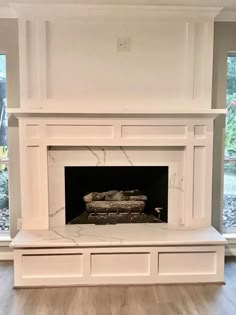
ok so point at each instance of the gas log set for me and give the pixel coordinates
(116, 206)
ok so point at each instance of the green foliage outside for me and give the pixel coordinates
(3, 100)
(230, 128)
(4, 188)
(2, 66)
(3, 136)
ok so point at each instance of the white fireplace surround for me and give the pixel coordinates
(184, 143)
(84, 101)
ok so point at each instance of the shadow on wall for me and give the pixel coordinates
(14, 174)
(218, 173)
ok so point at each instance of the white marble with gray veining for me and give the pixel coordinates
(58, 158)
(89, 235)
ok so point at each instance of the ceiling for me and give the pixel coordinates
(228, 4)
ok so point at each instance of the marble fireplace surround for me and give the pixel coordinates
(60, 157)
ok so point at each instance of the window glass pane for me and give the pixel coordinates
(3, 104)
(229, 213)
(4, 204)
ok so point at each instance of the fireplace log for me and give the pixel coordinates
(137, 198)
(115, 195)
(120, 195)
(115, 206)
(94, 196)
(115, 218)
(134, 192)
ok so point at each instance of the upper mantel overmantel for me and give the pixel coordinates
(70, 56)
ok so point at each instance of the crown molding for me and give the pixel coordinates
(7, 12)
(226, 16)
(114, 10)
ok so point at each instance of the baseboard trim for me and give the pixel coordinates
(230, 249)
(8, 255)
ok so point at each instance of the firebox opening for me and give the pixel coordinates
(116, 194)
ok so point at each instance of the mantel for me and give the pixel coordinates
(66, 112)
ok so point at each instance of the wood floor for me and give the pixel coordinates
(120, 300)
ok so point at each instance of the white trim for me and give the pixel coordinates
(7, 255)
(4, 236)
(230, 250)
(10, 11)
(4, 244)
(6, 12)
(226, 16)
(114, 10)
(230, 237)
(21, 112)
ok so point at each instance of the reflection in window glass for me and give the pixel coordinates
(4, 202)
(229, 213)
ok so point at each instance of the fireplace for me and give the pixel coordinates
(89, 106)
(116, 194)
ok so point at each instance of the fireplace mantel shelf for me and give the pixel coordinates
(26, 112)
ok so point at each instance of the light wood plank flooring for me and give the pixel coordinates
(120, 300)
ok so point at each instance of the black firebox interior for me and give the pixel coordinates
(152, 181)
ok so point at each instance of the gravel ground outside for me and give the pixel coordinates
(4, 219)
(229, 212)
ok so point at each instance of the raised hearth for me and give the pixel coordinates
(118, 254)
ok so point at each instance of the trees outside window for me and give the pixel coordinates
(229, 213)
(4, 201)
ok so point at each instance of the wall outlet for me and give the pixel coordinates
(123, 44)
(19, 224)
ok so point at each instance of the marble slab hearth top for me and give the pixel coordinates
(148, 234)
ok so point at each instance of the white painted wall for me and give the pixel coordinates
(85, 67)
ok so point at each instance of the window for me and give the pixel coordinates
(4, 204)
(229, 213)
